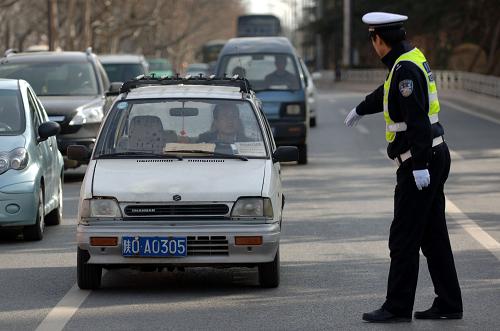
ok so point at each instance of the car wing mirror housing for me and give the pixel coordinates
(286, 154)
(114, 89)
(47, 129)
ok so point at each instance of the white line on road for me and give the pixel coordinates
(456, 155)
(64, 310)
(470, 112)
(71, 198)
(361, 128)
(473, 229)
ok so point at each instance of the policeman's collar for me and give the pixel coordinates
(390, 58)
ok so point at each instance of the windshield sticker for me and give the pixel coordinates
(255, 148)
(122, 105)
(175, 147)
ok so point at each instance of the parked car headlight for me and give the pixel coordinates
(293, 110)
(252, 207)
(100, 208)
(87, 114)
(16, 159)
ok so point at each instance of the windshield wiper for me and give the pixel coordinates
(223, 155)
(135, 154)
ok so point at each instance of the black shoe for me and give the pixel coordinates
(434, 313)
(383, 316)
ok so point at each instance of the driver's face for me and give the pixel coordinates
(227, 121)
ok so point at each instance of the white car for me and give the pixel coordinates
(184, 173)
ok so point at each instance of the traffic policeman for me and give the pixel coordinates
(409, 102)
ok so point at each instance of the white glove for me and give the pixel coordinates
(422, 178)
(352, 118)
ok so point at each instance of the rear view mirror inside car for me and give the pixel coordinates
(184, 112)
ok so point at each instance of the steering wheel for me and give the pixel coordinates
(5, 127)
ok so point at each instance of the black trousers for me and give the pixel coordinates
(420, 223)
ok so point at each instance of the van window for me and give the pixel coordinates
(264, 71)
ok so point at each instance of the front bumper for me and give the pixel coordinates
(289, 133)
(26, 205)
(237, 255)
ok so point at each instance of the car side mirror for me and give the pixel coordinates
(114, 89)
(78, 153)
(47, 129)
(286, 154)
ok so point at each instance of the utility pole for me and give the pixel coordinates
(346, 50)
(319, 41)
(52, 24)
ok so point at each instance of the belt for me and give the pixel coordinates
(406, 155)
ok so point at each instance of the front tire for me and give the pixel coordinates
(302, 154)
(88, 275)
(269, 273)
(55, 216)
(35, 232)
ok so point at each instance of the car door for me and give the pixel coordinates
(44, 149)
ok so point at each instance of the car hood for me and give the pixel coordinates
(8, 143)
(193, 179)
(66, 105)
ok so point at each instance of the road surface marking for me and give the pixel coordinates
(473, 229)
(470, 112)
(64, 310)
(455, 155)
(71, 198)
(361, 128)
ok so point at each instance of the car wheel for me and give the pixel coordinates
(312, 122)
(88, 275)
(55, 216)
(269, 273)
(302, 154)
(35, 232)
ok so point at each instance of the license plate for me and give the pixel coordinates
(154, 246)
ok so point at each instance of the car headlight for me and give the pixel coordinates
(253, 207)
(293, 110)
(87, 114)
(100, 208)
(16, 159)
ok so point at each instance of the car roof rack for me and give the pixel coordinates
(142, 80)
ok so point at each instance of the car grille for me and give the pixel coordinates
(177, 210)
(207, 246)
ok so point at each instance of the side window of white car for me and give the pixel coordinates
(35, 116)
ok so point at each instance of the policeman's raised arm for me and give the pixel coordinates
(373, 102)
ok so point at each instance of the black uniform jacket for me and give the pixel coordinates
(410, 108)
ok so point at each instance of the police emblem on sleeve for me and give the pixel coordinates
(406, 87)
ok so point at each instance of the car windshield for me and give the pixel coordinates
(122, 72)
(11, 113)
(264, 71)
(54, 78)
(187, 127)
(159, 65)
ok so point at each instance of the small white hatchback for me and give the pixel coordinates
(185, 172)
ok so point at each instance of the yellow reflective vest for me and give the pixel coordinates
(415, 56)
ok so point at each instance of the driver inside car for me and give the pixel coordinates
(226, 126)
(281, 76)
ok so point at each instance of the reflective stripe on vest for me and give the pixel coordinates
(415, 56)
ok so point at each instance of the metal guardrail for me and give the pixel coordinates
(446, 80)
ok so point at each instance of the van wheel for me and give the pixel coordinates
(302, 154)
(312, 122)
(35, 232)
(88, 275)
(55, 216)
(269, 273)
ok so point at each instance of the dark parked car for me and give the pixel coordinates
(124, 67)
(72, 87)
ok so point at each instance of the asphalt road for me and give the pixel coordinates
(333, 250)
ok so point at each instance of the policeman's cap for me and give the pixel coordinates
(379, 21)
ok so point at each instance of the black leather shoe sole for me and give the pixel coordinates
(424, 315)
(395, 319)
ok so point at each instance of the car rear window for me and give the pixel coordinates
(122, 72)
(54, 78)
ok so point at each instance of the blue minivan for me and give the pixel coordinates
(273, 68)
